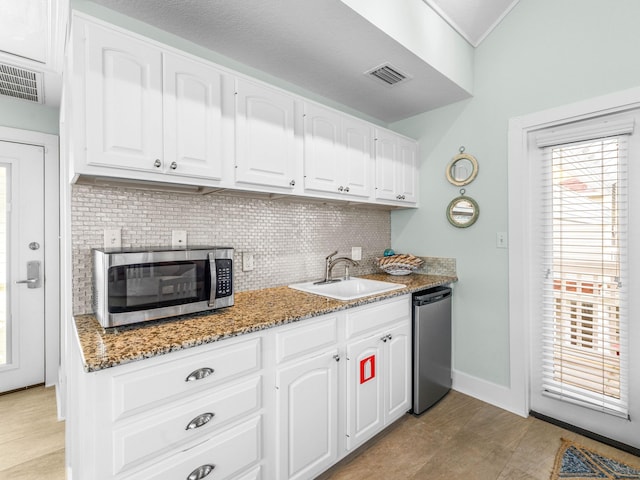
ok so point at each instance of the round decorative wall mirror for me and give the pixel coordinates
(462, 169)
(463, 211)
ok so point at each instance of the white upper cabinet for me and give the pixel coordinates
(148, 114)
(265, 138)
(139, 110)
(396, 167)
(123, 101)
(337, 153)
(192, 118)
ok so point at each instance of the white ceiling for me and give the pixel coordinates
(321, 46)
(473, 19)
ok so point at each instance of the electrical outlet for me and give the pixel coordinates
(112, 238)
(501, 240)
(248, 261)
(179, 238)
(356, 253)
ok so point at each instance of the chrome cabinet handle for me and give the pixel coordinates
(200, 420)
(199, 374)
(201, 472)
(157, 163)
(173, 165)
(292, 183)
(336, 358)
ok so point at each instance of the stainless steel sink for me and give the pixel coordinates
(351, 289)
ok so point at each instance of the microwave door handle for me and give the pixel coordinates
(214, 279)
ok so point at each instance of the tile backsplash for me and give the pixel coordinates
(289, 238)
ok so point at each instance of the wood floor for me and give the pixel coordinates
(460, 438)
(31, 437)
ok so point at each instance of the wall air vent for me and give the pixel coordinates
(21, 83)
(388, 74)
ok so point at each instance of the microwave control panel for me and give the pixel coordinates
(224, 277)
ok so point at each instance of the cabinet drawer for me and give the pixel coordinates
(254, 474)
(228, 453)
(178, 426)
(372, 317)
(149, 386)
(306, 338)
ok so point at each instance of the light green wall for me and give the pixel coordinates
(545, 53)
(21, 114)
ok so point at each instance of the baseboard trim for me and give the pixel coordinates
(489, 392)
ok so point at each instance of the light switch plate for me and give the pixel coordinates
(112, 237)
(501, 240)
(179, 238)
(356, 253)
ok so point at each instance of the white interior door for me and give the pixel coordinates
(21, 265)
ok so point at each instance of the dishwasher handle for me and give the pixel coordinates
(424, 298)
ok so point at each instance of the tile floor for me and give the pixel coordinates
(460, 438)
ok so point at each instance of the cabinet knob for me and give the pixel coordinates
(402, 197)
(340, 188)
(336, 358)
(292, 183)
(157, 163)
(199, 374)
(173, 165)
(199, 421)
(201, 472)
(346, 189)
(389, 337)
(384, 339)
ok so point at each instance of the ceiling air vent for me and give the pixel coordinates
(388, 74)
(20, 83)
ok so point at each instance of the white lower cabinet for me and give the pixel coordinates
(283, 403)
(378, 381)
(307, 416)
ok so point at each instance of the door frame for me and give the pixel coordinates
(51, 271)
(522, 236)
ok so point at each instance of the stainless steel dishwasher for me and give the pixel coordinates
(431, 347)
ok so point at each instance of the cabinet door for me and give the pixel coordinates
(265, 143)
(408, 165)
(397, 372)
(123, 101)
(323, 150)
(307, 416)
(365, 413)
(192, 118)
(386, 172)
(358, 160)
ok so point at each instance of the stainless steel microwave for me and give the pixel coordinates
(142, 284)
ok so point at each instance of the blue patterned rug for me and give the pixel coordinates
(576, 462)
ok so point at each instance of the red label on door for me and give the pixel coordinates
(367, 369)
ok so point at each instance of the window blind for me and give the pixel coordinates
(584, 324)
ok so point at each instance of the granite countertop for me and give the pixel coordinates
(253, 310)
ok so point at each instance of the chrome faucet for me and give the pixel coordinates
(331, 262)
